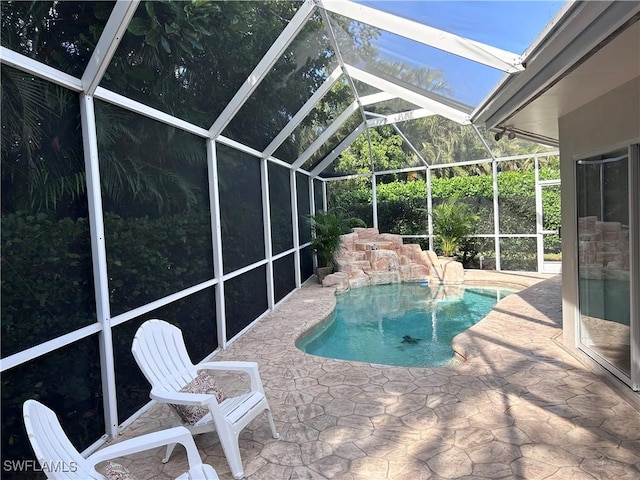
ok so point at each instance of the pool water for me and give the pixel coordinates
(407, 324)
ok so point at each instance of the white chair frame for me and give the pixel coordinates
(160, 352)
(59, 459)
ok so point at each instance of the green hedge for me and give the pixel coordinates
(47, 280)
(402, 210)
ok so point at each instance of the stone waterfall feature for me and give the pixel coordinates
(368, 257)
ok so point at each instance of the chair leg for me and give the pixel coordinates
(272, 424)
(231, 450)
(170, 448)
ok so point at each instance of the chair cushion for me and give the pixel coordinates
(203, 383)
(115, 471)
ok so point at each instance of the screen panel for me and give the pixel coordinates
(519, 254)
(245, 299)
(281, 212)
(71, 388)
(471, 185)
(323, 114)
(353, 197)
(451, 79)
(517, 196)
(156, 207)
(301, 70)
(62, 35)
(176, 57)
(47, 273)
(402, 203)
(341, 134)
(304, 208)
(442, 141)
(469, 19)
(306, 263)
(284, 277)
(240, 208)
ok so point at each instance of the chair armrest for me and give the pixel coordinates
(154, 440)
(250, 368)
(182, 398)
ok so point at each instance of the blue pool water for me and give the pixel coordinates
(405, 324)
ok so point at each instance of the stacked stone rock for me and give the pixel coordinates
(603, 248)
(368, 257)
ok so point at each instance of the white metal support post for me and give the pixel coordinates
(266, 222)
(216, 238)
(99, 261)
(634, 261)
(374, 200)
(109, 40)
(325, 203)
(312, 197)
(429, 209)
(312, 206)
(294, 221)
(539, 225)
(496, 213)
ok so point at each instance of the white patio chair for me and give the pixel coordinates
(159, 349)
(59, 459)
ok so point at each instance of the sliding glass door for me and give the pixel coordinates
(605, 261)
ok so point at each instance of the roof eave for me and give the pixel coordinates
(578, 31)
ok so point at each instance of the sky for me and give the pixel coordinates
(509, 25)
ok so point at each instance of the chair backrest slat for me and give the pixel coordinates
(161, 354)
(58, 458)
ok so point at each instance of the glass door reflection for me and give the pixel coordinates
(603, 260)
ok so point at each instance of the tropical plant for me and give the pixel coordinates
(327, 228)
(452, 223)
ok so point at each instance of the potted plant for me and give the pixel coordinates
(452, 223)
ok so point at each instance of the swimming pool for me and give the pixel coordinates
(406, 324)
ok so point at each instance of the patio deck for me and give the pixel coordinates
(519, 407)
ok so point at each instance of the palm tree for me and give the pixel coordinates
(452, 223)
(327, 228)
(42, 160)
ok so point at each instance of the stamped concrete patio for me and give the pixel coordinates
(519, 407)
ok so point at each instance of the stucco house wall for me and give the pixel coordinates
(610, 122)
